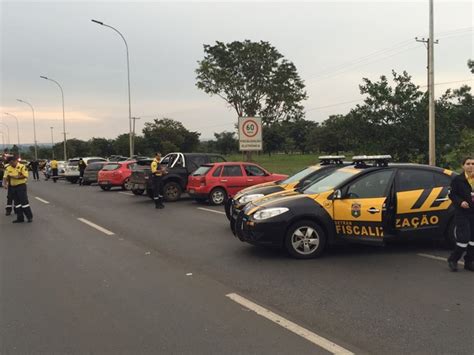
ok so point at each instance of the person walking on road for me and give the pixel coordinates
(157, 172)
(82, 168)
(462, 195)
(54, 169)
(34, 165)
(17, 175)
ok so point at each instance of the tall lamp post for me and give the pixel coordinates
(34, 126)
(128, 78)
(64, 119)
(8, 132)
(17, 129)
(52, 141)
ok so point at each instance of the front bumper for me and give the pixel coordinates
(266, 232)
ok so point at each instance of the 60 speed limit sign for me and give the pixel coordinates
(250, 133)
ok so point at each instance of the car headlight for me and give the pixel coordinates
(249, 198)
(269, 213)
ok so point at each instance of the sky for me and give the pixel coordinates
(334, 44)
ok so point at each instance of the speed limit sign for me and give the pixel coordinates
(250, 133)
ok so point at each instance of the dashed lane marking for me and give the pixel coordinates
(126, 193)
(292, 327)
(434, 257)
(209, 210)
(40, 199)
(93, 225)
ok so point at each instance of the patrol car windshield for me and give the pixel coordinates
(298, 176)
(329, 182)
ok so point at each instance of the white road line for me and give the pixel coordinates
(292, 327)
(40, 199)
(209, 210)
(440, 258)
(126, 193)
(93, 225)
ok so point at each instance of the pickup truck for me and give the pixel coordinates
(179, 167)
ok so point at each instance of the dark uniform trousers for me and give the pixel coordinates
(464, 238)
(20, 199)
(55, 174)
(36, 174)
(9, 206)
(81, 176)
(157, 197)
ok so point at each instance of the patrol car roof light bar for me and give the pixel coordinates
(331, 159)
(379, 160)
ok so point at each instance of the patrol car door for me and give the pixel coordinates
(422, 202)
(361, 212)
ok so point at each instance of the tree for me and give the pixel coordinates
(470, 65)
(226, 143)
(253, 78)
(101, 147)
(166, 135)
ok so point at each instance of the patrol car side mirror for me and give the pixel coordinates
(337, 195)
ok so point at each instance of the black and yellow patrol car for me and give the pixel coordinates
(372, 201)
(299, 180)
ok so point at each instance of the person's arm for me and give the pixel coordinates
(454, 193)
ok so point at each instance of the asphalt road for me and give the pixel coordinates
(158, 284)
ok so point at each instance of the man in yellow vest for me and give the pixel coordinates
(17, 175)
(157, 172)
(54, 169)
(6, 185)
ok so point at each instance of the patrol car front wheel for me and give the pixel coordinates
(305, 240)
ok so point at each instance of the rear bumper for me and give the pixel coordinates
(198, 191)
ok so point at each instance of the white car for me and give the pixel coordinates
(71, 170)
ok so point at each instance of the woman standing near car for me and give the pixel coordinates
(462, 195)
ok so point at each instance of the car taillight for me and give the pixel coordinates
(202, 181)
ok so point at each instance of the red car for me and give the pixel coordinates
(216, 182)
(115, 174)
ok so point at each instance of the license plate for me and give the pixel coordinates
(191, 191)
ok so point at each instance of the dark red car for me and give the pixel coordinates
(115, 174)
(216, 182)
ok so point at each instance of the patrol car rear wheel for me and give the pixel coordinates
(305, 240)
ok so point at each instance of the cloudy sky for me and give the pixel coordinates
(333, 44)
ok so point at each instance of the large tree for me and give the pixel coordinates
(253, 78)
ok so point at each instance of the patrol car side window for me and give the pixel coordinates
(370, 186)
(415, 179)
(442, 180)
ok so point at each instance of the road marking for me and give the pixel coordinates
(40, 199)
(93, 225)
(209, 210)
(440, 258)
(292, 327)
(125, 193)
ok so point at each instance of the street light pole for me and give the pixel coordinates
(17, 129)
(34, 125)
(3, 141)
(133, 131)
(64, 119)
(128, 78)
(8, 132)
(52, 141)
(432, 135)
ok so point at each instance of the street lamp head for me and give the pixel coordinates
(43, 77)
(98, 22)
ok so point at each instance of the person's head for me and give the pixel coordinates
(468, 165)
(80, 159)
(13, 161)
(158, 156)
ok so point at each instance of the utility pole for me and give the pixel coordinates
(133, 132)
(52, 141)
(430, 42)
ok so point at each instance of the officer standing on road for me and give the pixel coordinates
(6, 184)
(54, 169)
(462, 195)
(157, 172)
(82, 168)
(17, 175)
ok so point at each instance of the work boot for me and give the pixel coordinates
(453, 265)
(18, 221)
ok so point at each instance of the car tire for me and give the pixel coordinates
(305, 240)
(105, 187)
(138, 192)
(172, 191)
(232, 225)
(217, 196)
(228, 205)
(125, 185)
